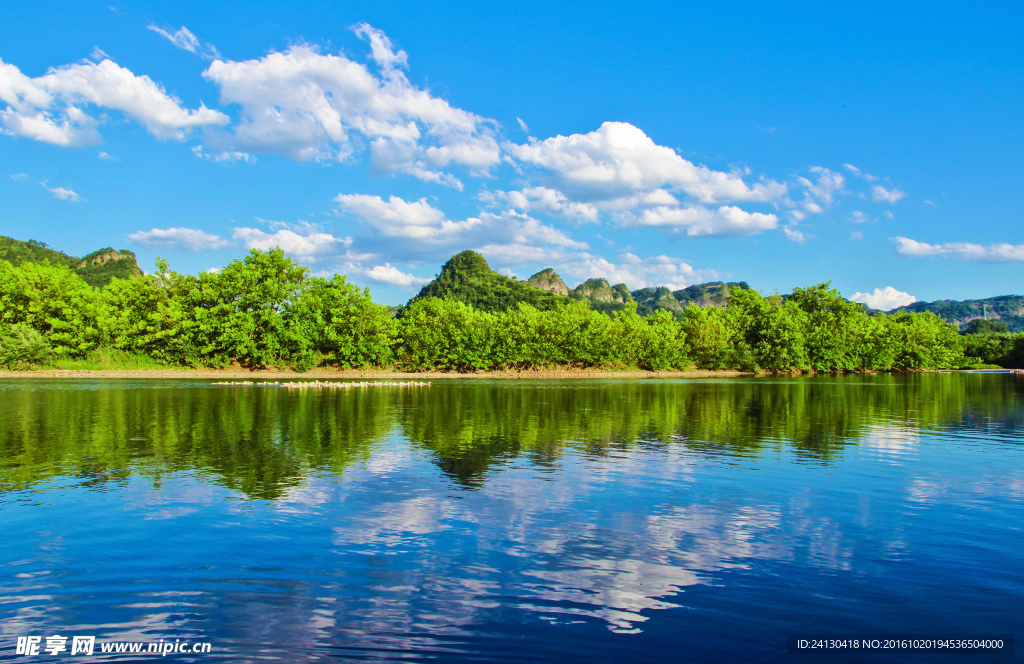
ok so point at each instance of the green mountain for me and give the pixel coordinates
(711, 294)
(468, 278)
(97, 269)
(1006, 308)
(549, 281)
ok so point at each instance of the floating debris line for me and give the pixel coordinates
(327, 384)
(336, 385)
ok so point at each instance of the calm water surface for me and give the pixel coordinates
(601, 521)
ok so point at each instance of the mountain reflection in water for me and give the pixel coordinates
(598, 520)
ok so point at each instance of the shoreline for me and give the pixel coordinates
(341, 374)
(240, 374)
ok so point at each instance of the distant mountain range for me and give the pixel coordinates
(1006, 308)
(468, 278)
(97, 269)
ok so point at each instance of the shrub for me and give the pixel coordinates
(23, 347)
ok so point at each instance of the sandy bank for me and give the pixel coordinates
(232, 374)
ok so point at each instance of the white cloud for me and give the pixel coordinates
(394, 217)
(637, 272)
(544, 200)
(390, 275)
(856, 235)
(859, 173)
(823, 190)
(50, 108)
(225, 156)
(63, 194)
(107, 157)
(698, 220)
(381, 50)
(522, 125)
(882, 195)
(858, 217)
(19, 177)
(795, 235)
(184, 39)
(1000, 252)
(305, 247)
(414, 228)
(178, 238)
(620, 160)
(884, 299)
(306, 105)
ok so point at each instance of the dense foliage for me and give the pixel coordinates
(1008, 308)
(97, 269)
(265, 310)
(467, 278)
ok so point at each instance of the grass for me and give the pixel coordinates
(109, 359)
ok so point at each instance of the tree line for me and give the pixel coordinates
(265, 310)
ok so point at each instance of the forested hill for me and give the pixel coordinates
(1006, 308)
(97, 269)
(467, 277)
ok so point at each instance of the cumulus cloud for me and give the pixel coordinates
(823, 190)
(882, 195)
(858, 217)
(698, 220)
(306, 105)
(51, 108)
(618, 160)
(414, 228)
(178, 238)
(795, 235)
(884, 299)
(390, 275)
(637, 272)
(185, 40)
(63, 194)
(304, 247)
(544, 200)
(381, 50)
(107, 157)
(1000, 252)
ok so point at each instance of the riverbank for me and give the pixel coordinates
(342, 374)
(319, 374)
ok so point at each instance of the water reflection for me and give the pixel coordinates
(263, 441)
(468, 518)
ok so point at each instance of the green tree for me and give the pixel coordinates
(242, 312)
(345, 328)
(446, 335)
(54, 301)
(23, 347)
(710, 337)
(772, 329)
(831, 327)
(985, 326)
(150, 315)
(925, 341)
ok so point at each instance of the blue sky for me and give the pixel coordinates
(647, 143)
